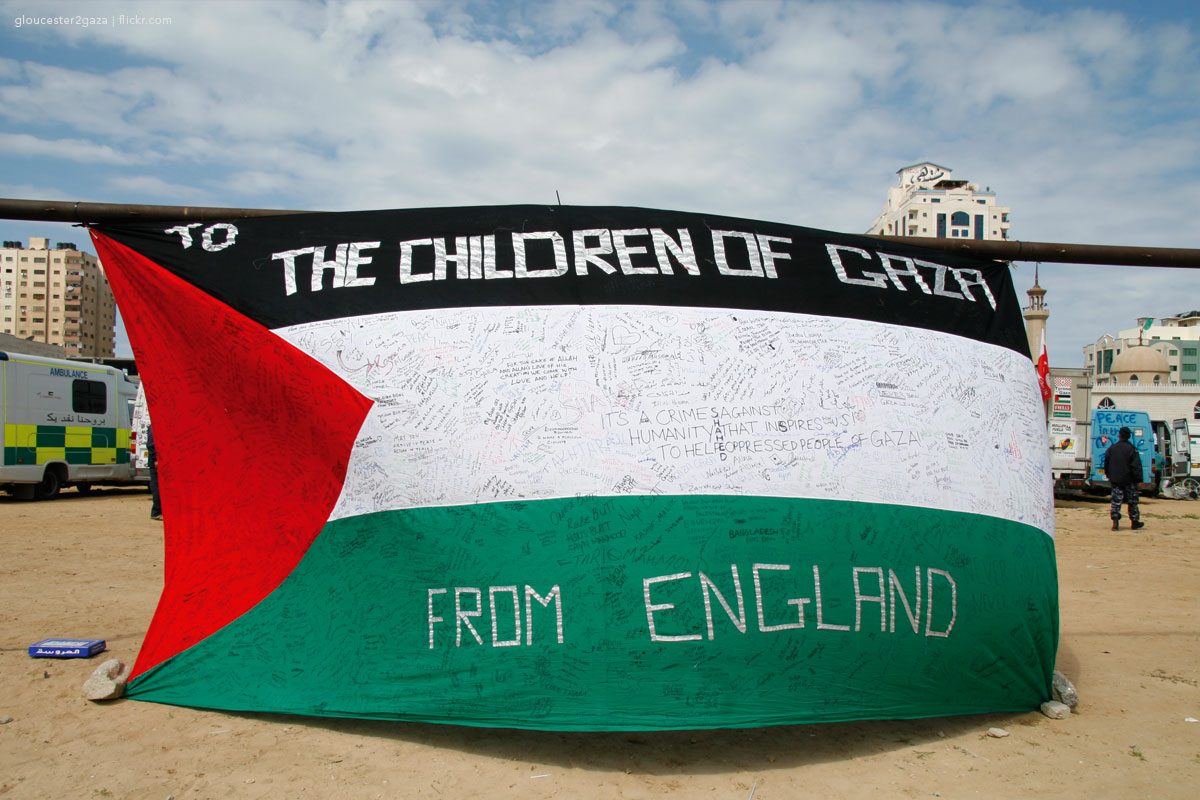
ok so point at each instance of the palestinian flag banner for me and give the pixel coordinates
(577, 468)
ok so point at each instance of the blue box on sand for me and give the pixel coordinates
(67, 648)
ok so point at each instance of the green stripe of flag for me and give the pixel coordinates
(675, 612)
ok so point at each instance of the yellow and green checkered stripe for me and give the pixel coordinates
(39, 444)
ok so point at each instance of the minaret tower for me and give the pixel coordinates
(1035, 315)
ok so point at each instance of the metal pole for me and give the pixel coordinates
(1058, 253)
(69, 211)
(1046, 252)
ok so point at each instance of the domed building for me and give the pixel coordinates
(1140, 365)
(1151, 368)
(1177, 338)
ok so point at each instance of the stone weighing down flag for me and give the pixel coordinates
(587, 468)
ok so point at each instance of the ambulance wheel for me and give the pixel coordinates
(48, 488)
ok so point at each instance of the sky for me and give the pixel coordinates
(1082, 117)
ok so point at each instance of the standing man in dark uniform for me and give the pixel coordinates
(1123, 468)
(152, 463)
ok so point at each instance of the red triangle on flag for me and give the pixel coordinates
(253, 438)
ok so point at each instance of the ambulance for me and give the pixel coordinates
(66, 423)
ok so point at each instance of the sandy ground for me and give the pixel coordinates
(91, 566)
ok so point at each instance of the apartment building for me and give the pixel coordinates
(57, 296)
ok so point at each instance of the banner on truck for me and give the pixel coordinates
(1061, 405)
(1062, 438)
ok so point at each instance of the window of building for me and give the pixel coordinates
(1133, 378)
(1157, 380)
(1189, 351)
(1189, 367)
(1106, 402)
(1196, 411)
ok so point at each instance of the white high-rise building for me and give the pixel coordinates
(930, 201)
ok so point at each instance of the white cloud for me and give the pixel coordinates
(796, 111)
(159, 192)
(22, 144)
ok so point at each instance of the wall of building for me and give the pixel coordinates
(58, 296)
(1164, 403)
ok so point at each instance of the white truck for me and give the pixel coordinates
(66, 423)
(1077, 452)
(1184, 479)
(139, 454)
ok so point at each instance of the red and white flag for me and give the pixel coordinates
(1043, 370)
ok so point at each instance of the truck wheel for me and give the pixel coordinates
(48, 488)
